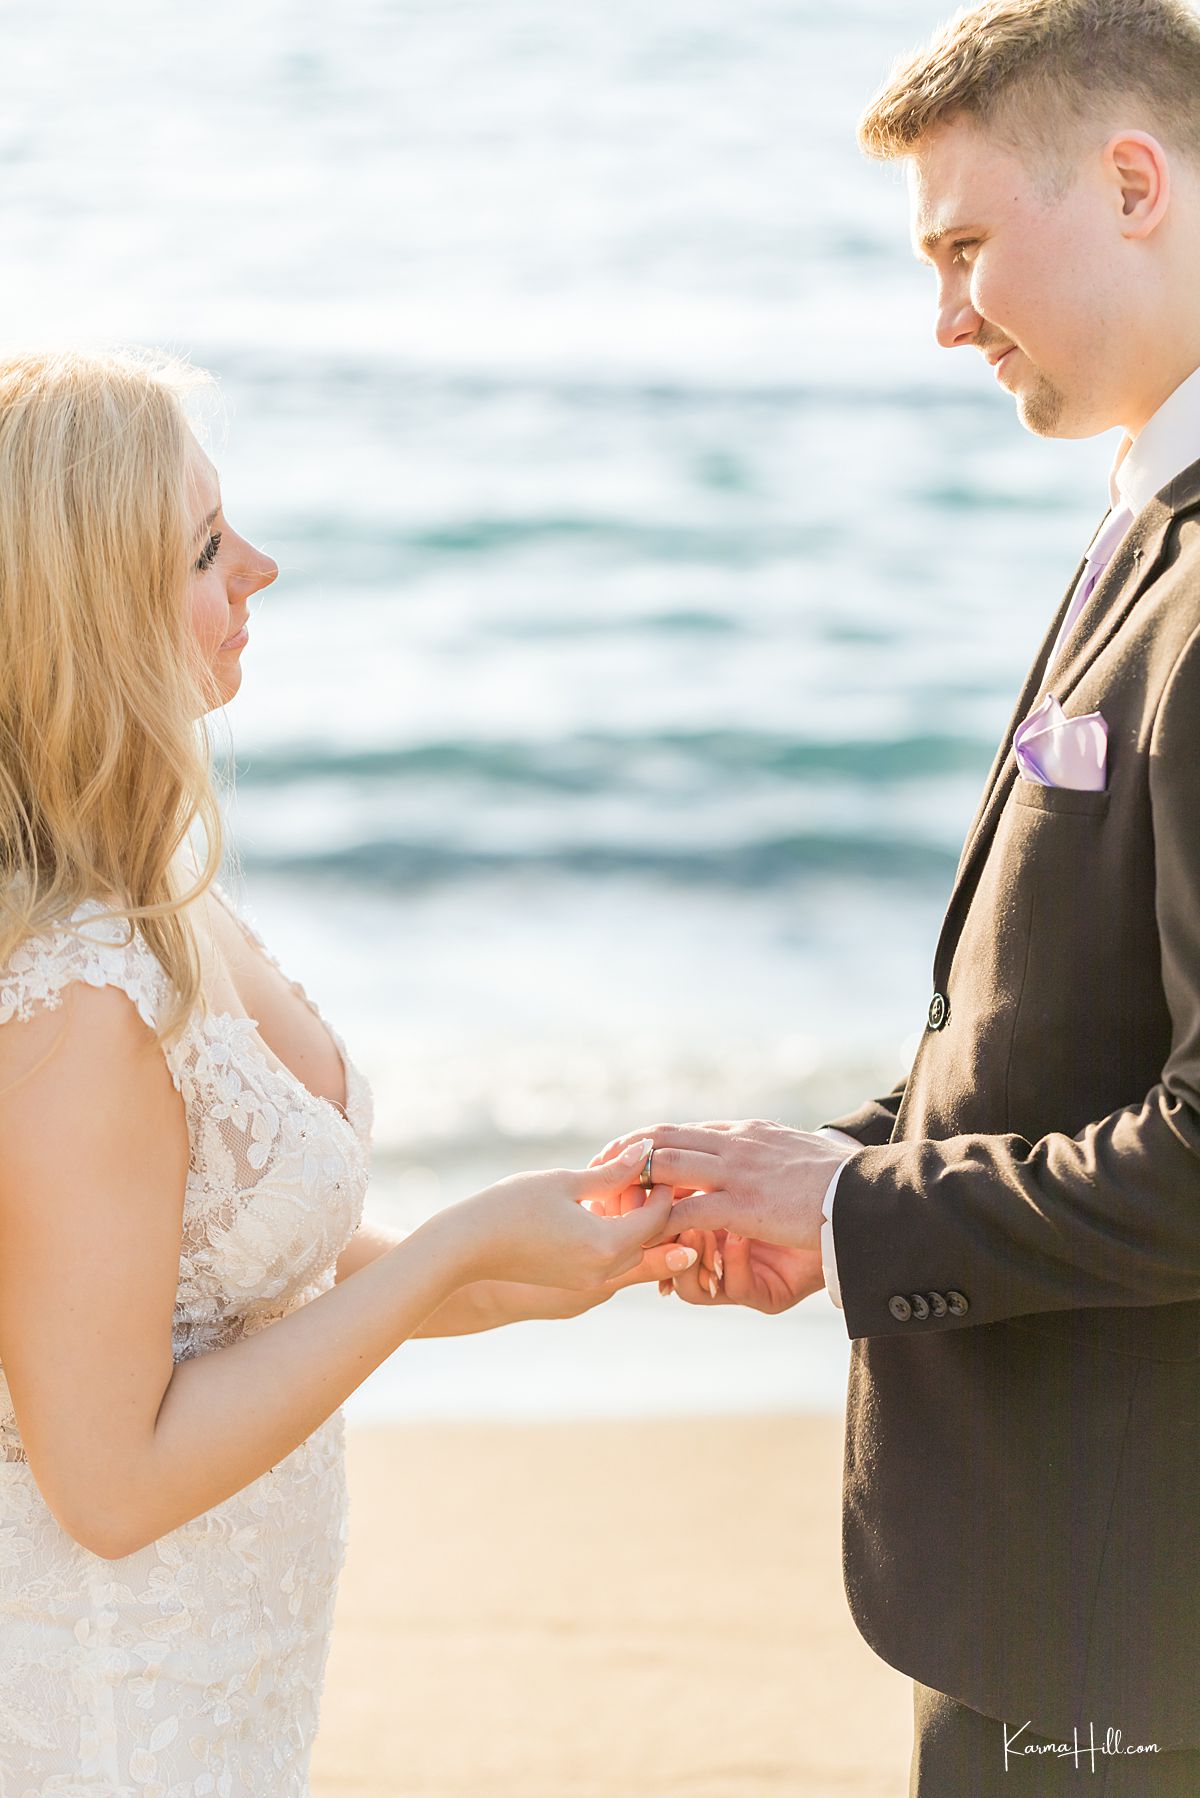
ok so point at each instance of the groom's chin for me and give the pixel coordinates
(1045, 412)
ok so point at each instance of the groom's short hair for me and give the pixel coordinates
(1037, 73)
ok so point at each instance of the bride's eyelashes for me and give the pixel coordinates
(208, 554)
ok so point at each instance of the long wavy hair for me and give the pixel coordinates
(105, 760)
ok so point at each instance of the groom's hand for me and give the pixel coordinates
(758, 1275)
(763, 1181)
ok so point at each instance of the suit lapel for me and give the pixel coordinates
(1130, 572)
(1020, 710)
(1133, 567)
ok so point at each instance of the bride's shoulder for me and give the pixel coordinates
(87, 944)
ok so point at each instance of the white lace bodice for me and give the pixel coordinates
(194, 1666)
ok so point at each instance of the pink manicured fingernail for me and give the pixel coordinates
(719, 1264)
(712, 1286)
(665, 1288)
(637, 1151)
(678, 1259)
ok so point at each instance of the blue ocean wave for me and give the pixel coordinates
(392, 866)
(598, 762)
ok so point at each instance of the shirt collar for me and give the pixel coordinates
(1168, 442)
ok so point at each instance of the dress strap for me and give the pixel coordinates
(100, 951)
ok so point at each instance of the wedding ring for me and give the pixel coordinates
(646, 1178)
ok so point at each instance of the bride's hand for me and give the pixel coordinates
(706, 1244)
(521, 1303)
(536, 1228)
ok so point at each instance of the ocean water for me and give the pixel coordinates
(653, 589)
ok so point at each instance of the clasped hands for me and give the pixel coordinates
(747, 1197)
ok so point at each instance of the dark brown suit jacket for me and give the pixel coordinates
(1021, 1524)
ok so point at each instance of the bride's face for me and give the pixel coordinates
(226, 570)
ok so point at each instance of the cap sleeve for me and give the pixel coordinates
(100, 951)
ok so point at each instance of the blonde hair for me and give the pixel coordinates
(1034, 72)
(105, 762)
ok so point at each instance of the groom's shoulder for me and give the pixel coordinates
(1180, 561)
(1162, 636)
(1178, 578)
(1168, 609)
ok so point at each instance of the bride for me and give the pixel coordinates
(188, 1292)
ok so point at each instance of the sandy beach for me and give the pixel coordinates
(603, 1609)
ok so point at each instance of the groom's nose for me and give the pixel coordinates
(957, 320)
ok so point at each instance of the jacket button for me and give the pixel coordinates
(899, 1307)
(920, 1309)
(939, 1012)
(956, 1304)
(937, 1304)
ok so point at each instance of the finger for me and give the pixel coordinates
(706, 1272)
(738, 1282)
(714, 1210)
(713, 1261)
(693, 1285)
(626, 1198)
(688, 1275)
(688, 1168)
(619, 1143)
(707, 1138)
(630, 1198)
(627, 1236)
(661, 1264)
(616, 1204)
(621, 1171)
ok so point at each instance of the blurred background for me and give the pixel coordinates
(653, 589)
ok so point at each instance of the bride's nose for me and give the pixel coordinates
(258, 570)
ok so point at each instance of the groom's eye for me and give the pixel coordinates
(963, 243)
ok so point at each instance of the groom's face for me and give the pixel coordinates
(1017, 268)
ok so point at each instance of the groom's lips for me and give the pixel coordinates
(1000, 358)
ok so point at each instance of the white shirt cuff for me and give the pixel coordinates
(828, 1256)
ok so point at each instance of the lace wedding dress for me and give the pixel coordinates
(192, 1668)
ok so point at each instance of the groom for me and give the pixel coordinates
(1013, 1232)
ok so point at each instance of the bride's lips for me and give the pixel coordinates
(237, 640)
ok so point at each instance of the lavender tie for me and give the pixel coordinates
(1098, 558)
(1052, 749)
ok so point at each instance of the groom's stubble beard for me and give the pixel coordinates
(1040, 404)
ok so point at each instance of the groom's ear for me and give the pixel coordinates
(1137, 173)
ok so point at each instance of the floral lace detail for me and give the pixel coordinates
(193, 1668)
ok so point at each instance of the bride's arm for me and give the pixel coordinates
(369, 1241)
(125, 1442)
(489, 1304)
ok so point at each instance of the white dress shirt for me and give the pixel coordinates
(1168, 442)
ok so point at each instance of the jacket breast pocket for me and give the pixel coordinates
(1060, 800)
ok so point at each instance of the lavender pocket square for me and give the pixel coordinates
(1057, 751)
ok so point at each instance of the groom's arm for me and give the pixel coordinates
(1107, 1218)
